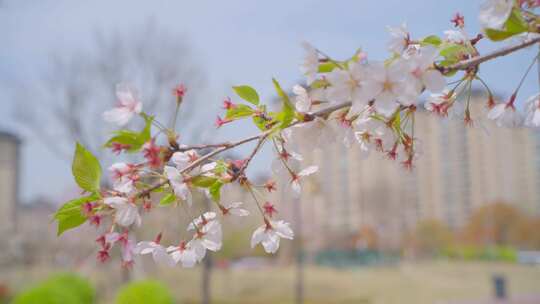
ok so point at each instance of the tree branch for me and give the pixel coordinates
(221, 147)
(475, 61)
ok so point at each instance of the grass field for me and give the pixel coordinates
(419, 283)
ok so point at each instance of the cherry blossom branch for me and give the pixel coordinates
(201, 147)
(222, 147)
(475, 61)
(202, 159)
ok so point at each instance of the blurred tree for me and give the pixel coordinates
(366, 238)
(430, 237)
(526, 235)
(494, 224)
(67, 105)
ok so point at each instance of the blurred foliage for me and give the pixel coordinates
(489, 253)
(144, 292)
(429, 237)
(493, 232)
(59, 289)
(353, 257)
(497, 223)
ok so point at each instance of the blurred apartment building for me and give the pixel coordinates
(9, 168)
(461, 169)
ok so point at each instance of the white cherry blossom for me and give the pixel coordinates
(505, 115)
(128, 105)
(122, 176)
(183, 254)
(456, 36)
(235, 209)
(369, 133)
(127, 244)
(159, 253)
(303, 100)
(399, 38)
(390, 86)
(349, 85)
(270, 233)
(494, 13)
(444, 104)
(207, 237)
(342, 127)
(312, 134)
(296, 178)
(180, 188)
(420, 69)
(310, 66)
(202, 220)
(126, 213)
(183, 159)
(532, 109)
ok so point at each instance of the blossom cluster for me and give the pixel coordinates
(357, 101)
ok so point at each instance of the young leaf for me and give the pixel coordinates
(286, 115)
(167, 199)
(327, 67)
(215, 191)
(135, 140)
(247, 93)
(70, 216)
(203, 181)
(86, 169)
(433, 40)
(515, 23)
(239, 111)
(513, 26)
(497, 35)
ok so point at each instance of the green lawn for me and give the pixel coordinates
(419, 283)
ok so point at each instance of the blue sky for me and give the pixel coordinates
(238, 42)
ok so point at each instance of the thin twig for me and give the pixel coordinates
(250, 157)
(221, 147)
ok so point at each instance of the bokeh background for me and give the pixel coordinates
(368, 232)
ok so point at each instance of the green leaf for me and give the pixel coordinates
(86, 169)
(513, 26)
(497, 35)
(215, 191)
(260, 123)
(320, 83)
(247, 93)
(515, 23)
(432, 39)
(221, 167)
(134, 139)
(286, 115)
(167, 199)
(452, 53)
(239, 111)
(203, 181)
(70, 216)
(327, 67)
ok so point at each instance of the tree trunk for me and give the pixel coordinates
(298, 246)
(206, 278)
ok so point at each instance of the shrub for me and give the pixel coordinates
(58, 289)
(144, 292)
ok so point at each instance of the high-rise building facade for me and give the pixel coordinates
(460, 169)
